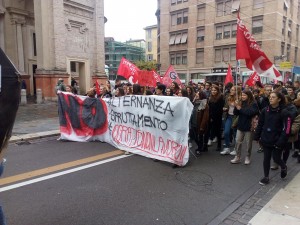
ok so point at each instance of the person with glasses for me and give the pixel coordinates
(272, 132)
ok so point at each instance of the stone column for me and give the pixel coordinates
(2, 12)
(20, 47)
(99, 22)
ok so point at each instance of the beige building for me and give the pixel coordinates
(151, 43)
(49, 39)
(199, 36)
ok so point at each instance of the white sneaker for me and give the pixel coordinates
(215, 140)
(226, 151)
(235, 160)
(233, 152)
(190, 145)
(247, 160)
(209, 142)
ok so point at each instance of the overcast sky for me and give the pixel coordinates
(127, 18)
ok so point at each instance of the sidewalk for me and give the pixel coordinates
(276, 203)
(284, 207)
(35, 121)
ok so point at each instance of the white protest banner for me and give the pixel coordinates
(151, 126)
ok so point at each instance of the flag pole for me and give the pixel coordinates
(236, 76)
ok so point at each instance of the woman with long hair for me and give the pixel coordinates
(246, 110)
(216, 104)
(233, 96)
(119, 92)
(272, 132)
(175, 88)
(191, 92)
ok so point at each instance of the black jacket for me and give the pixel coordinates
(263, 102)
(216, 110)
(245, 116)
(272, 128)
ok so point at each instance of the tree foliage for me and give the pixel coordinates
(143, 65)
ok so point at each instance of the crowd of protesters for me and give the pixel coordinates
(266, 113)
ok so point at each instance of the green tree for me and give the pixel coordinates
(143, 65)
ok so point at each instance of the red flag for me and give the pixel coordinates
(171, 76)
(248, 49)
(97, 88)
(128, 70)
(229, 77)
(156, 76)
(146, 78)
(254, 77)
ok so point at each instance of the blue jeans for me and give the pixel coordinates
(227, 130)
(2, 219)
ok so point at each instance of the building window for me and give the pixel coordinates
(174, 2)
(73, 66)
(233, 30)
(288, 52)
(225, 54)
(220, 10)
(226, 30)
(282, 48)
(184, 59)
(106, 57)
(232, 54)
(34, 44)
(149, 45)
(258, 4)
(200, 56)
(172, 39)
(297, 33)
(257, 25)
(285, 5)
(185, 16)
(296, 56)
(290, 29)
(178, 38)
(200, 34)
(226, 7)
(219, 32)
(174, 20)
(283, 25)
(178, 58)
(184, 38)
(218, 56)
(226, 33)
(150, 57)
(179, 17)
(172, 59)
(201, 12)
(149, 34)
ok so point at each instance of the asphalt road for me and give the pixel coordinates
(128, 190)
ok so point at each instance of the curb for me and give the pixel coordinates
(32, 136)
